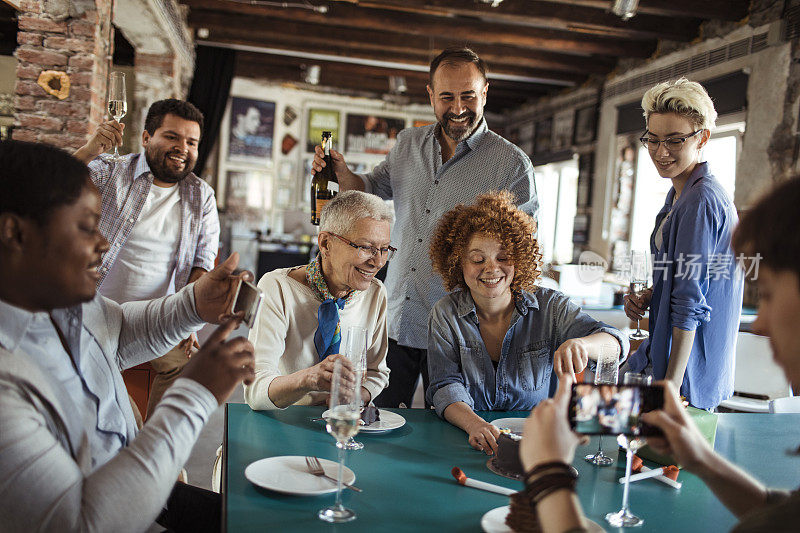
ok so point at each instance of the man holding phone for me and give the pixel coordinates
(73, 459)
(160, 218)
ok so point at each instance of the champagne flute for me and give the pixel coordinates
(639, 277)
(356, 351)
(624, 517)
(342, 423)
(606, 373)
(117, 103)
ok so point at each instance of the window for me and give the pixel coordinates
(650, 190)
(557, 181)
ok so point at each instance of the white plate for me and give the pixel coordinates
(494, 521)
(289, 474)
(388, 422)
(514, 424)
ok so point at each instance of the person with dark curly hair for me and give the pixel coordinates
(493, 343)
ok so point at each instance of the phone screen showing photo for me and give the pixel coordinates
(612, 409)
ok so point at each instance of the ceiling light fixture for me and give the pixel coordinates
(397, 84)
(299, 5)
(492, 3)
(312, 74)
(625, 9)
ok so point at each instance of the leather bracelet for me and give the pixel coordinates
(548, 484)
(552, 466)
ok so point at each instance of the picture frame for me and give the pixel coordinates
(585, 125)
(251, 130)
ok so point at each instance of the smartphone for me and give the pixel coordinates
(248, 298)
(613, 409)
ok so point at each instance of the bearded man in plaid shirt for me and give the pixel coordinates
(160, 218)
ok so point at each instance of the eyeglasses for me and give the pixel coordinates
(673, 144)
(365, 252)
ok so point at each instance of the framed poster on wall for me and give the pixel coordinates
(372, 134)
(252, 126)
(585, 123)
(320, 120)
(562, 130)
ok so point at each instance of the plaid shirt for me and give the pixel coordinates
(124, 197)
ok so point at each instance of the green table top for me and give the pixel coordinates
(407, 485)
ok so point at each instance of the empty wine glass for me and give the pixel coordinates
(640, 274)
(356, 351)
(117, 103)
(607, 373)
(624, 517)
(342, 423)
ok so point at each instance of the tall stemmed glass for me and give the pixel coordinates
(117, 103)
(342, 423)
(607, 373)
(624, 517)
(356, 352)
(640, 274)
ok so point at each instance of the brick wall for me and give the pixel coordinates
(71, 37)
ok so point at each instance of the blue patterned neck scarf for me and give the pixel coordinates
(328, 337)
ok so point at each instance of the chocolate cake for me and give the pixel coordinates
(370, 414)
(522, 517)
(507, 458)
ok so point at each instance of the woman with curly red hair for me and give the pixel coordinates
(494, 343)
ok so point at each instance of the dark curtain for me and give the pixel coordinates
(211, 85)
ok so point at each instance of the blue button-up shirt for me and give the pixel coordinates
(423, 189)
(461, 370)
(696, 287)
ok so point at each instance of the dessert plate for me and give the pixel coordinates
(289, 474)
(514, 424)
(388, 422)
(494, 521)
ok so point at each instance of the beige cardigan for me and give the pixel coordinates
(283, 335)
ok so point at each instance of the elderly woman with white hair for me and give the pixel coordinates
(298, 331)
(696, 297)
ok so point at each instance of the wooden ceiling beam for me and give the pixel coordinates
(381, 45)
(461, 29)
(728, 10)
(358, 72)
(559, 77)
(537, 13)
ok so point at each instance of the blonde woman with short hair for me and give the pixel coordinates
(696, 297)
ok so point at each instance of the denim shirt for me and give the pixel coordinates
(696, 287)
(461, 370)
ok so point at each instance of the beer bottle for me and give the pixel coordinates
(324, 185)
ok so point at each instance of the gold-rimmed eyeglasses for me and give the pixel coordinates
(365, 252)
(672, 144)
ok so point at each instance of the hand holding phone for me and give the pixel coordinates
(248, 299)
(613, 409)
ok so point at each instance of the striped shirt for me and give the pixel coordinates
(423, 189)
(124, 187)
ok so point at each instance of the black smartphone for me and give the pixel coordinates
(613, 409)
(248, 298)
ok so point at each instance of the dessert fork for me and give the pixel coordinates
(315, 468)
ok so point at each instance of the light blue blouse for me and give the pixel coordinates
(696, 287)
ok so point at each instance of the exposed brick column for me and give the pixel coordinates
(158, 76)
(72, 37)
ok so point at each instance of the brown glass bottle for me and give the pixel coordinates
(324, 185)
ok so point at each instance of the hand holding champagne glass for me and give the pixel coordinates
(117, 103)
(342, 423)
